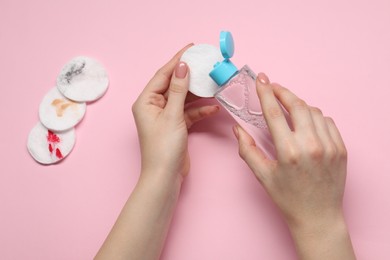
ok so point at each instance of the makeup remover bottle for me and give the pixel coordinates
(237, 94)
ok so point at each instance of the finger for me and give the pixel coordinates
(336, 136)
(252, 155)
(189, 99)
(322, 131)
(195, 114)
(160, 82)
(296, 107)
(178, 89)
(272, 111)
(320, 126)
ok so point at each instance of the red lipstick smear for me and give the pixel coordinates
(59, 154)
(53, 139)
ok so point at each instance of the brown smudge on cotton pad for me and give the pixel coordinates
(61, 105)
(58, 113)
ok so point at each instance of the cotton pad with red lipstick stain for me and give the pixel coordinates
(48, 147)
(201, 59)
(58, 113)
(83, 80)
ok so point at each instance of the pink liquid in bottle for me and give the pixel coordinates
(238, 96)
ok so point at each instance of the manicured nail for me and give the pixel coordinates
(263, 78)
(235, 131)
(216, 108)
(181, 70)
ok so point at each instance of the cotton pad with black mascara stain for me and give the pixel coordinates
(83, 80)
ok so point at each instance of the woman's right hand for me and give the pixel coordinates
(307, 179)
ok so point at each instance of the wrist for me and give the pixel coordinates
(318, 227)
(326, 237)
(162, 180)
(317, 223)
(163, 169)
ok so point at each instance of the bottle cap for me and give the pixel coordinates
(226, 44)
(224, 70)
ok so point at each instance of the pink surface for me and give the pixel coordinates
(334, 54)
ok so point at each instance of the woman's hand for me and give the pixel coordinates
(307, 179)
(163, 121)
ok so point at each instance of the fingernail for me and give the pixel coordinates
(263, 78)
(235, 131)
(181, 70)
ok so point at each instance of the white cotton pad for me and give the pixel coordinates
(82, 79)
(49, 147)
(58, 113)
(201, 59)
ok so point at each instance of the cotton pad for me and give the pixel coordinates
(58, 113)
(82, 79)
(48, 147)
(201, 59)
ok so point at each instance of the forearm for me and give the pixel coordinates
(323, 240)
(141, 228)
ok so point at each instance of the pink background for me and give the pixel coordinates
(334, 54)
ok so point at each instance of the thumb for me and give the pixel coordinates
(178, 89)
(251, 154)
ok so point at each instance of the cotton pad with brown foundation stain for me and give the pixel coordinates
(58, 113)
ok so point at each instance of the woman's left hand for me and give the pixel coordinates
(163, 120)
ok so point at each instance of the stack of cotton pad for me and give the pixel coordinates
(81, 80)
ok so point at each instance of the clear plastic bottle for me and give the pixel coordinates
(237, 94)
